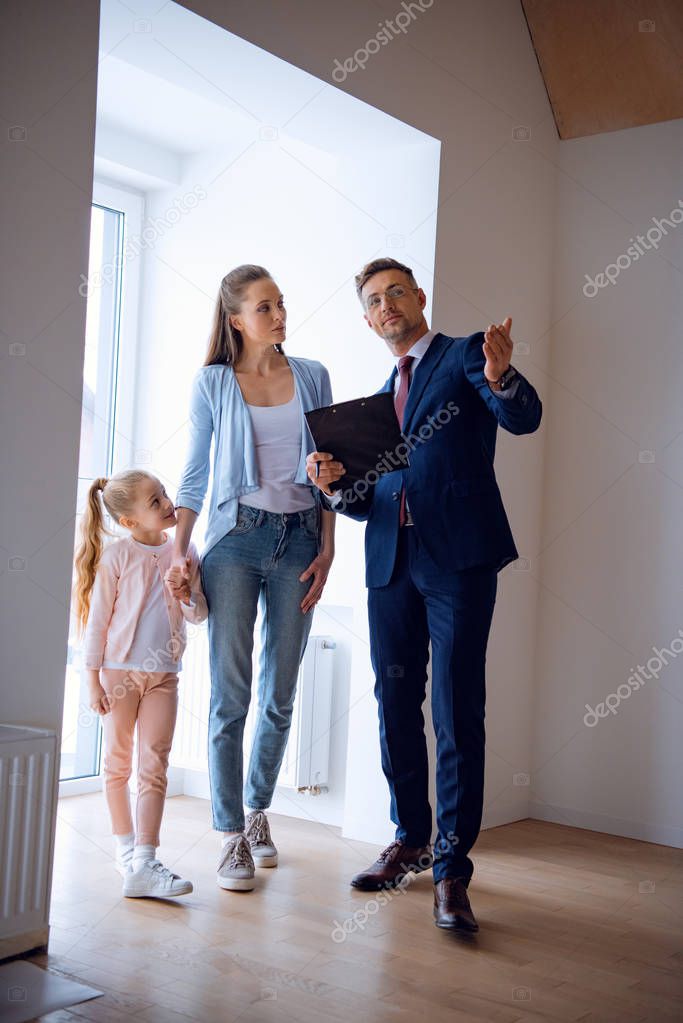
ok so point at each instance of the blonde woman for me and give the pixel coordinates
(267, 541)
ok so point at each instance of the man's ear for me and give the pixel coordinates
(422, 298)
(368, 321)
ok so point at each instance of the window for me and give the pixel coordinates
(111, 290)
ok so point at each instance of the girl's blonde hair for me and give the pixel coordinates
(118, 495)
(225, 341)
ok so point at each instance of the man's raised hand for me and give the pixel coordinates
(497, 349)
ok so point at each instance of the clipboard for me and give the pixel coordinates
(363, 434)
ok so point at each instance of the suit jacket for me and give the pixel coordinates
(450, 424)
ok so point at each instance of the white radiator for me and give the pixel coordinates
(28, 794)
(307, 756)
(306, 761)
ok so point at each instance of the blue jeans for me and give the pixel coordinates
(259, 560)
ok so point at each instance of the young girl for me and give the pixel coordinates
(134, 640)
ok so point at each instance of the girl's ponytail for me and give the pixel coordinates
(118, 497)
(89, 551)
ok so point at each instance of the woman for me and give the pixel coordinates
(267, 538)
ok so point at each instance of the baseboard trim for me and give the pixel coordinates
(497, 818)
(19, 944)
(642, 831)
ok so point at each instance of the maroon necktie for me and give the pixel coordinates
(400, 399)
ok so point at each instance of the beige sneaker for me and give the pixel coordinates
(236, 867)
(257, 834)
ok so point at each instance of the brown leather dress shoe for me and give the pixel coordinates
(452, 909)
(392, 865)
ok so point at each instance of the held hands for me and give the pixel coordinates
(330, 471)
(498, 350)
(177, 579)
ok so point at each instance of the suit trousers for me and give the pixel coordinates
(421, 603)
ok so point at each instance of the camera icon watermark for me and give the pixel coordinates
(17, 348)
(521, 994)
(521, 778)
(268, 994)
(267, 133)
(142, 26)
(521, 565)
(86, 717)
(395, 671)
(16, 563)
(521, 348)
(16, 993)
(646, 456)
(646, 25)
(17, 779)
(646, 887)
(143, 456)
(16, 133)
(521, 133)
(395, 241)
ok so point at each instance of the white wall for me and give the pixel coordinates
(465, 74)
(611, 548)
(312, 215)
(50, 54)
(478, 82)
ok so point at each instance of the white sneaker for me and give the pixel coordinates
(155, 880)
(257, 834)
(236, 867)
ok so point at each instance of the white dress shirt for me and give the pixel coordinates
(417, 351)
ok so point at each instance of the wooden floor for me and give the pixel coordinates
(574, 926)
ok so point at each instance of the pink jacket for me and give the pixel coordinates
(122, 580)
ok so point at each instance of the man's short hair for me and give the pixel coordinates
(376, 266)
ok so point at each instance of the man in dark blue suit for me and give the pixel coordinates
(436, 537)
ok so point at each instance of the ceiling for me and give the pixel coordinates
(609, 64)
(186, 86)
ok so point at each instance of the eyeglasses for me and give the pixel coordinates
(395, 291)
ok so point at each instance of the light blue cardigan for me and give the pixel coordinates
(217, 408)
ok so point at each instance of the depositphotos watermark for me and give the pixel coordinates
(135, 678)
(633, 253)
(636, 680)
(155, 229)
(358, 920)
(389, 29)
(397, 458)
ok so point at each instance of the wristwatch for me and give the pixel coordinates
(504, 381)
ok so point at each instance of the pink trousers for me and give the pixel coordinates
(149, 699)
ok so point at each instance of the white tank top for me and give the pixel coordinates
(277, 438)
